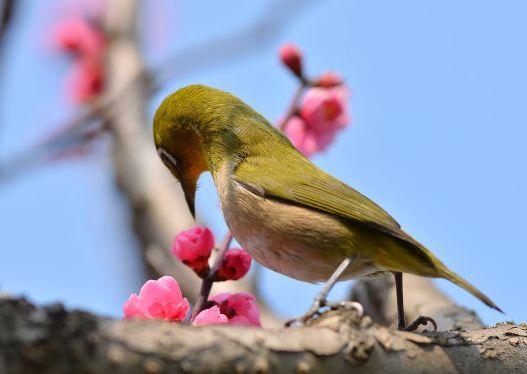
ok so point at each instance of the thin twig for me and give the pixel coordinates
(294, 105)
(208, 281)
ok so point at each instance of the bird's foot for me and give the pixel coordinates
(420, 321)
(313, 311)
(347, 305)
(319, 304)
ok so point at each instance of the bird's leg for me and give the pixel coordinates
(401, 321)
(320, 300)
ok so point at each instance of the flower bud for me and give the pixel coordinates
(234, 266)
(193, 248)
(291, 57)
(329, 79)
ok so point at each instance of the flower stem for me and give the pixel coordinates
(293, 107)
(208, 281)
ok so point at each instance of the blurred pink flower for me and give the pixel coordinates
(307, 140)
(85, 80)
(236, 263)
(79, 36)
(329, 79)
(325, 109)
(211, 316)
(158, 299)
(240, 308)
(291, 56)
(193, 248)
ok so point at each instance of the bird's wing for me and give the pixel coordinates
(297, 180)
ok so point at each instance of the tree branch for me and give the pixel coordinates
(50, 340)
(156, 200)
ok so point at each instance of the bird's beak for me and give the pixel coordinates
(190, 194)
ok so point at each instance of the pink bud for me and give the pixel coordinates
(193, 248)
(158, 299)
(329, 79)
(235, 265)
(240, 308)
(292, 58)
(85, 80)
(211, 316)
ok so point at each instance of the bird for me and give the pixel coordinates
(290, 215)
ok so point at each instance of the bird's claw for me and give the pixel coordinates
(319, 304)
(420, 321)
(348, 305)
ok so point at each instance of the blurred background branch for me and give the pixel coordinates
(7, 10)
(210, 54)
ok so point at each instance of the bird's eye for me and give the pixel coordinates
(166, 157)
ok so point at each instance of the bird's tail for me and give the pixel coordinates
(453, 277)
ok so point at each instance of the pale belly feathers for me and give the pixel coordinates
(298, 242)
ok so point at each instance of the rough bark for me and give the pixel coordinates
(53, 340)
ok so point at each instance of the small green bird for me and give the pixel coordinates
(291, 216)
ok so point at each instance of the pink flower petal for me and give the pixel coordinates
(240, 308)
(158, 299)
(211, 316)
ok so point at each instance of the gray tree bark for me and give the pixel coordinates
(53, 340)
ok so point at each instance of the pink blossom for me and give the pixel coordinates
(325, 109)
(158, 299)
(236, 263)
(291, 57)
(193, 248)
(85, 80)
(307, 140)
(240, 308)
(77, 35)
(211, 316)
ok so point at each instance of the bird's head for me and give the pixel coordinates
(193, 133)
(199, 128)
(178, 142)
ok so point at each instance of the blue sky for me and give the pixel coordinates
(438, 139)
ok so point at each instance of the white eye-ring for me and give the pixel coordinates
(166, 157)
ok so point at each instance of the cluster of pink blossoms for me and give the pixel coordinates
(86, 43)
(194, 247)
(323, 109)
(162, 298)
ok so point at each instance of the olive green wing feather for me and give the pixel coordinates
(295, 179)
